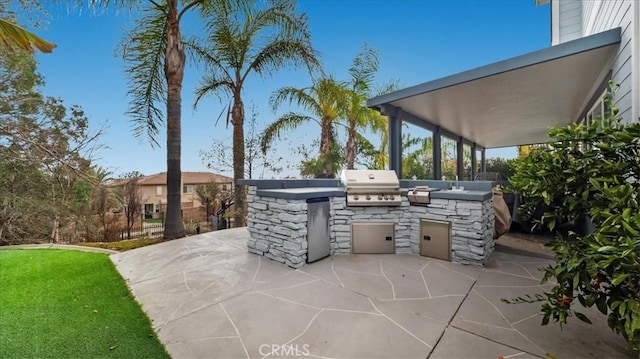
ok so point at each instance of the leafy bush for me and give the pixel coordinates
(503, 166)
(589, 172)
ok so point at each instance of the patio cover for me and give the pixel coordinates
(511, 102)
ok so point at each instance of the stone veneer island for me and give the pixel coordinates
(277, 218)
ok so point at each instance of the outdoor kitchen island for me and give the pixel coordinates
(281, 211)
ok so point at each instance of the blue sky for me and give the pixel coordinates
(418, 41)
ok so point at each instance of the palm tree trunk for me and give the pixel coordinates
(325, 137)
(174, 72)
(351, 149)
(237, 119)
(326, 141)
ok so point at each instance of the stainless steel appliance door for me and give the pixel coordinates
(373, 237)
(318, 246)
(435, 239)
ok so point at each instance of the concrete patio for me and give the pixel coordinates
(209, 298)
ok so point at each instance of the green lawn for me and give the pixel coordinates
(69, 304)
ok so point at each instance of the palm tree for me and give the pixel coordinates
(324, 100)
(356, 112)
(155, 54)
(14, 35)
(251, 37)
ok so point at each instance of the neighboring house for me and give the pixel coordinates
(515, 101)
(153, 189)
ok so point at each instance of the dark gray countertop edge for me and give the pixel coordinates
(274, 193)
(320, 182)
(477, 196)
(290, 183)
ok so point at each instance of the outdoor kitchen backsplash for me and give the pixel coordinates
(278, 227)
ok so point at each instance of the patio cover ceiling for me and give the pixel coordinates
(511, 102)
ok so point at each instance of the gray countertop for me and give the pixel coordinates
(302, 193)
(315, 192)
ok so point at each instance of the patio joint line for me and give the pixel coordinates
(198, 267)
(489, 325)
(317, 277)
(206, 306)
(290, 301)
(497, 342)
(290, 286)
(398, 325)
(424, 280)
(393, 289)
(184, 276)
(356, 272)
(514, 355)
(303, 332)
(237, 331)
(257, 269)
(506, 320)
(399, 265)
(336, 274)
(457, 272)
(525, 319)
(509, 274)
(526, 270)
(454, 314)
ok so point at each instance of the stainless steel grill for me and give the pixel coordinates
(372, 188)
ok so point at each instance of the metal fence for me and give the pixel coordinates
(115, 234)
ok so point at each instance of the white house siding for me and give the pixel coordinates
(570, 21)
(601, 15)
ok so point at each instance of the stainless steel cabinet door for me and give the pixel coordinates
(377, 238)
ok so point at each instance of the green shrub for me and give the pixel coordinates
(589, 172)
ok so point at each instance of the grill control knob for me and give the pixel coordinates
(391, 198)
(386, 197)
(355, 198)
(368, 197)
(379, 197)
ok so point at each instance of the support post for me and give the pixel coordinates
(460, 159)
(483, 161)
(437, 154)
(395, 141)
(474, 159)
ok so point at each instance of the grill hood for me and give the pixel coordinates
(371, 188)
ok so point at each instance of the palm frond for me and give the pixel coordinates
(285, 122)
(363, 69)
(279, 53)
(14, 35)
(301, 97)
(143, 51)
(212, 84)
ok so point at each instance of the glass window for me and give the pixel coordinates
(158, 190)
(597, 111)
(187, 189)
(224, 187)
